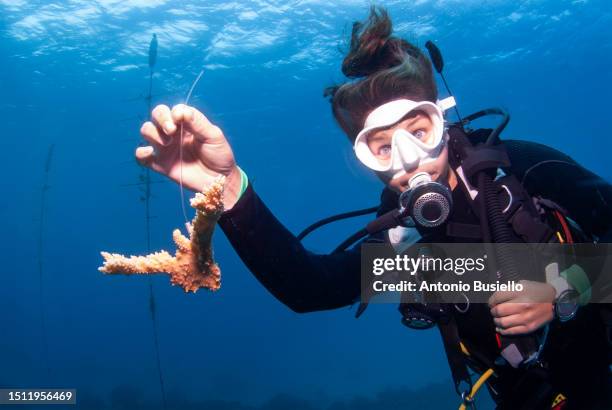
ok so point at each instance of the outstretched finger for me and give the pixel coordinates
(196, 123)
(152, 134)
(146, 157)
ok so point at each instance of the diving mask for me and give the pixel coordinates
(407, 150)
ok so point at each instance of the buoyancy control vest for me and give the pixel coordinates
(535, 203)
(531, 218)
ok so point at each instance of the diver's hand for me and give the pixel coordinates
(206, 152)
(516, 313)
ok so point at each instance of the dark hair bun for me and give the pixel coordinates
(372, 46)
(385, 67)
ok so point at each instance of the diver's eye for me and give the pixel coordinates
(384, 151)
(420, 134)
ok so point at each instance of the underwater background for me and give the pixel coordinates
(74, 77)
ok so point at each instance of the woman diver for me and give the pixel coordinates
(392, 115)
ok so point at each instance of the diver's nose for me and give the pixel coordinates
(405, 157)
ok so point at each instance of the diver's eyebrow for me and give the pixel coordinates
(378, 137)
(412, 120)
(380, 131)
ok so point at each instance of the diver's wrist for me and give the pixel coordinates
(572, 288)
(578, 280)
(572, 278)
(244, 181)
(566, 304)
(233, 188)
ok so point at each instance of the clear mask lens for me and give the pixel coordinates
(386, 116)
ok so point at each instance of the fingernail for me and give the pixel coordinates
(169, 127)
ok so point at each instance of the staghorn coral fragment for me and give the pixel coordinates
(192, 267)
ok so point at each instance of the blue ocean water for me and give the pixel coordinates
(74, 77)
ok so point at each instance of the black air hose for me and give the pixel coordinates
(500, 231)
(518, 349)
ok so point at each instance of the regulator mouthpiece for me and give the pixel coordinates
(427, 203)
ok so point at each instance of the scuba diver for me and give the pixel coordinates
(442, 184)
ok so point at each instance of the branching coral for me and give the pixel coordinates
(192, 266)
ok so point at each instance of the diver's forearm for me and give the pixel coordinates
(298, 278)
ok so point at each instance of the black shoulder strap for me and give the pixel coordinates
(470, 158)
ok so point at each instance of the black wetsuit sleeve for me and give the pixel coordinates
(302, 280)
(585, 196)
(553, 175)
